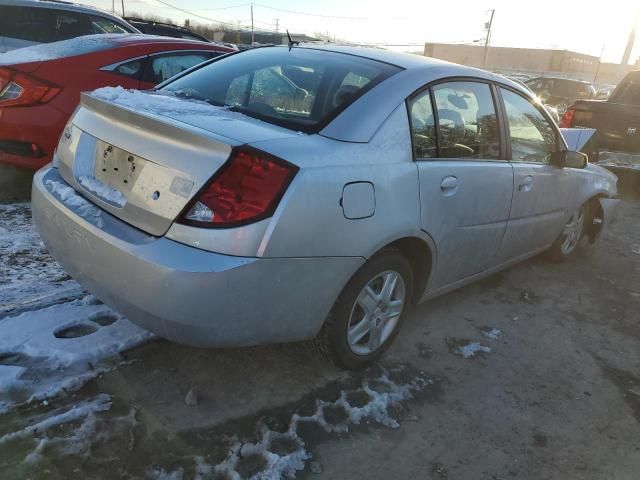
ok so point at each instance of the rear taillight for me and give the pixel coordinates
(567, 118)
(20, 90)
(246, 189)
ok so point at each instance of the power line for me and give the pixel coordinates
(188, 12)
(310, 14)
(224, 8)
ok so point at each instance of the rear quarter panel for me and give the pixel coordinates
(310, 221)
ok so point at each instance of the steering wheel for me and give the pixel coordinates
(457, 131)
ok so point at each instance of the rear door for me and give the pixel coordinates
(466, 184)
(542, 191)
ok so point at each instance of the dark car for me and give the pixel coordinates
(560, 92)
(151, 27)
(617, 119)
(28, 22)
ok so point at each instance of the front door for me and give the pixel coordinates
(542, 192)
(465, 185)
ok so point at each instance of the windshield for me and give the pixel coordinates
(297, 88)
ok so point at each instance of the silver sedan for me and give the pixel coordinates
(286, 193)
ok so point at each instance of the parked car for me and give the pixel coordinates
(284, 193)
(151, 27)
(560, 92)
(617, 120)
(40, 86)
(553, 111)
(31, 22)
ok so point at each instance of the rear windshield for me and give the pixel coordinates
(628, 92)
(298, 88)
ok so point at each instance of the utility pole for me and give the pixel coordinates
(113, 6)
(123, 8)
(252, 34)
(595, 77)
(277, 24)
(488, 26)
(627, 51)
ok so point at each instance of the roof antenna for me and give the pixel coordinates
(292, 42)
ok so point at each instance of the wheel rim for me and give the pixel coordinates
(572, 232)
(376, 312)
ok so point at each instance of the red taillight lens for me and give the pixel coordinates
(246, 189)
(20, 90)
(567, 119)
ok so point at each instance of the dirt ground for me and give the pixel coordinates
(556, 397)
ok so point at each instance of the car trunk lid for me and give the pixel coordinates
(144, 166)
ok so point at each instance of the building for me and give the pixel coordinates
(532, 61)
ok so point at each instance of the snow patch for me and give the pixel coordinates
(29, 276)
(161, 103)
(76, 202)
(284, 453)
(52, 361)
(492, 334)
(65, 48)
(102, 191)
(471, 349)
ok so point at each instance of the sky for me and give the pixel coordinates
(581, 26)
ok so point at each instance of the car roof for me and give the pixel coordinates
(61, 5)
(359, 122)
(88, 44)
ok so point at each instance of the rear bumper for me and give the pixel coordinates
(182, 293)
(41, 125)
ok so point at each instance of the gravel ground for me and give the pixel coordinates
(550, 389)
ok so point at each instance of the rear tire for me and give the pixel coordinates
(369, 312)
(572, 234)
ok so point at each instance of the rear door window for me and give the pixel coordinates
(163, 67)
(298, 88)
(423, 126)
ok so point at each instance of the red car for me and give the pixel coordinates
(40, 86)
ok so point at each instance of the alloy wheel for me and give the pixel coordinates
(572, 232)
(376, 312)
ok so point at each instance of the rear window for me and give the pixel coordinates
(569, 89)
(628, 92)
(298, 88)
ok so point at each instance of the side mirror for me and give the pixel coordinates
(569, 159)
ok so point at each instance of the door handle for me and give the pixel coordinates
(449, 185)
(526, 185)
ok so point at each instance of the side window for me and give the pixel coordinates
(131, 69)
(423, 126)
(104, 25)
(71, 26)
(467, 121)
(533, 138)
(166, 66)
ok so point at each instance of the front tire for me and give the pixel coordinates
(369, 312)
(572, 233)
